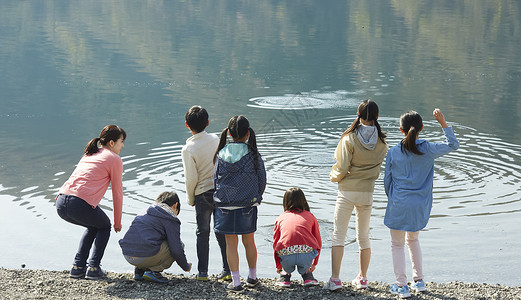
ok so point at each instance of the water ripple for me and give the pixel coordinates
(480, 178)
(307, 100)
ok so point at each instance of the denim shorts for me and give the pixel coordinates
(235, 221)
(302, 261)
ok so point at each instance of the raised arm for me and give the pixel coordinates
(451, 143)
(438, 115)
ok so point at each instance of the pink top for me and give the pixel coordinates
(294, 228)
(92, 177)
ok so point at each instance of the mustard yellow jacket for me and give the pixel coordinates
(357, 168)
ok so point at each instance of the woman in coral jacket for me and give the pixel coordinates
(79, 197)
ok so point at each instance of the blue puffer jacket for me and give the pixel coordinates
(148, 231)
(237, 183)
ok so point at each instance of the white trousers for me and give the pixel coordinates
(346, 202)
(398, 240)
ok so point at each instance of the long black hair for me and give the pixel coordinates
(108, 133)
(411, 123)
(368, 111)
(239, 126)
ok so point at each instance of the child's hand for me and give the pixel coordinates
(438, 115)
(190, 264)
(279, 270)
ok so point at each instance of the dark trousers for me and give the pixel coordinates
(204, 209)
(76, 211)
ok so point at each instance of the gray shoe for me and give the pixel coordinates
(95, 273)
(236, 289)
(224, 275)
(78, 272)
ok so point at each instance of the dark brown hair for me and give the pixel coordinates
(411, 123)
(196, 118)
(294, 200)
(368, 111)
(239, 126)
(108, 133)
(170, 198)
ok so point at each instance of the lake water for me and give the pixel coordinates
(297, 70)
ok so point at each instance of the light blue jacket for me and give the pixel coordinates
(408, 182)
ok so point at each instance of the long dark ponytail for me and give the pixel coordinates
(108, 133)
(368, 111)
(238, 127)
(411, 124)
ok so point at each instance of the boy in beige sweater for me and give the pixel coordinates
(197, 154)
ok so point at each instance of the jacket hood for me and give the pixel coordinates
(368, 136)
(245, 162)
(233, 152)
(158, 211)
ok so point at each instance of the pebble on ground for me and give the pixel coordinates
(42, 284)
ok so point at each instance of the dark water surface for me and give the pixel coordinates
(297, 70)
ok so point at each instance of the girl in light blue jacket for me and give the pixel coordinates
(408, 180)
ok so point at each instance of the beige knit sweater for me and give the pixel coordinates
(357, 168)
(198, 165)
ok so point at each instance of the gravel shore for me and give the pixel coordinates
(42, 284)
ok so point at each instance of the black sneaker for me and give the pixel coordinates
(95, 273)
(78, 272)
(236, 289)
(284, 281)
(309, 279)
(138, 274)
(252, 282)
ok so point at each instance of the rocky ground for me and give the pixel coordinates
(41, 284)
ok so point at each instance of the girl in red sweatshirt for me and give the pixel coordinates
(296, 240)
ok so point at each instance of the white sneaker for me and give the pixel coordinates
(360, 283)
(333, 285)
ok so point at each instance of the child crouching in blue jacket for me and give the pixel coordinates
(153, 242)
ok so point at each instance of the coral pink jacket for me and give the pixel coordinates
(92, 177)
